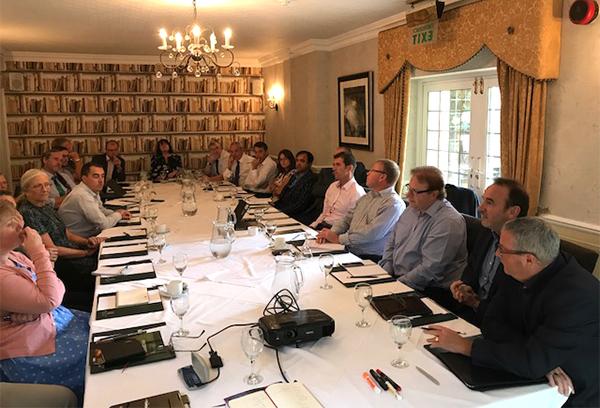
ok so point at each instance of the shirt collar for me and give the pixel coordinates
(435, 207)
(88, 190)
(348, 184)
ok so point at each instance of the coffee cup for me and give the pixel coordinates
(252, 231)
(175, 288)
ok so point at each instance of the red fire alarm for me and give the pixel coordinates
(583, 11)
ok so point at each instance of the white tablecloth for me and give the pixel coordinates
(236, 289)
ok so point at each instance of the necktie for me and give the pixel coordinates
(216, 170)
(236, 174)
(61, 189)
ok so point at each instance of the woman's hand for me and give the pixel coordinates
(94, 242)
(20, 318)
(53, 252)
(32, 242)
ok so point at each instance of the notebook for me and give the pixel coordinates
(279, 395)
(480, 378)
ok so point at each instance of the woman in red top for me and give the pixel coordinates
(40, 342)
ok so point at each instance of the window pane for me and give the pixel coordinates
(494, 98)
(445, 101)
(433, 121)
(464, 143)
(494, 121)
(452, 178)
(432, 140)
(443, 161)
(432, 158)
(434, 101)
(493, 144)
(444, 121)
(453, 161)
(444, 141)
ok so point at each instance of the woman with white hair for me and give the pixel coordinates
(76, 255)
(41, 342)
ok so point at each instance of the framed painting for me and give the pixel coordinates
(355, 110)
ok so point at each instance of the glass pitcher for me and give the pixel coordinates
(226, 214)
(221, 239)
(288, 275)
(188, 202)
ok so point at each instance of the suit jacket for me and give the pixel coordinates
(118, 174)
(296, 196)
(547, 322)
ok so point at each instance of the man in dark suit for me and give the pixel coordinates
(544, 318)
(296, 196)
(504, 200)
(111, 162)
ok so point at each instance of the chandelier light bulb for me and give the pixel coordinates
(196, 33)
(163, 36)
(227, 33)
(178, 39)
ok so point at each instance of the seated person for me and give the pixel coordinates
(164, 164)
(7, 196)
(544, 318)
(263, 171)
(286, 168)
(41, 342)
(83, 212)
(111, 162)
(342, 194)
(59, 187)
(238, 167)
(504, 200)
(360, 172)
(3, 183)
(64, 170)
(74, 162)
(295, 197)
(428, 248)
(77, 256)
(217, 161)
(365, 229)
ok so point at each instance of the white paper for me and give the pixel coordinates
(129, 243)
(131, 220)
(132, 297)
(123, 249)
(274, 216)
(366, 271)
(124, 270)
(121, 201)
(256, 200)
(324, 247)
(106, 302)
(287, 222)
(120, 261)
(122, 232)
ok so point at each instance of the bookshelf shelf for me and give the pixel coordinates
(90, 103)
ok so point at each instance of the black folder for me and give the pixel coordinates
(127, 223)
(125, 238)
(124, 254)
(106, 280)
(128, 310)
(408, 304)
(480, 378)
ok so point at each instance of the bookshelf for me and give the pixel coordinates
(91, 103)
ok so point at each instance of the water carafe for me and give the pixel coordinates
(188, 200)
(221, 239)
(288, 275)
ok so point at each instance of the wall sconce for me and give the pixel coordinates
(275, 95)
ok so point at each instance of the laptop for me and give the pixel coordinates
(240, 210)
(112, 190)
(479, 378)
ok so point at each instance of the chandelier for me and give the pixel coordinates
(192, 52)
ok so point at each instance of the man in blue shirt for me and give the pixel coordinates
(427, 250)
(502, 201)
(365, 229)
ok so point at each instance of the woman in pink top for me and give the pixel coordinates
(40, 341)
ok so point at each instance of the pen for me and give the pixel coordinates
(392, 391)
(389, 380)
(372, 385)
(429, 328)
(378, 380)
(121, 336)
(426, 374)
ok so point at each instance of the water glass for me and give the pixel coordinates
(362, 296)
(400, 329)
(180, 262)
(253, 342)
(159, 242)
(180, 305)
(270, 230)
(326, 263)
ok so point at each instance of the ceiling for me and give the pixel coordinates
(130, 27)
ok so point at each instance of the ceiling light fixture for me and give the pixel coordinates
(192, 52)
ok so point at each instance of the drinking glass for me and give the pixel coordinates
(180, 262)
(362, 296)
(305, 250)
(180, 306)
(151, 215)
(270, 231)
(326, 262)
(259, 213)
(253, 343)
(400, 329)
(160, 241)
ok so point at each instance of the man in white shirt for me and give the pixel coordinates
(218, 159)
(82, 211)
(239, 165)
(342, 194)
(264, 169)
(59, 187)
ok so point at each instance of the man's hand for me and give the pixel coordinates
(94, 242)
(255, 164)
(448, 339)
(124, 214)
(558, 378)
(464, 294)
(74, 156)
(117, 162)
(327, 235)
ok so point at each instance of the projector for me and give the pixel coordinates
(283, 329)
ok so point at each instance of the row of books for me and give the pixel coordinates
(98, 67)
(24, 104)
(56, 125)
(133, 144)
(50, 82)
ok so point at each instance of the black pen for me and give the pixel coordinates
(120, 336)
(389, 380)
(378, 380)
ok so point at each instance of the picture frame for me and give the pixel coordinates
(355, 110)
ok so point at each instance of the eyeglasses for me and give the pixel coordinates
(408, 189)
(41, 186)
(503, 251)
(376, 171)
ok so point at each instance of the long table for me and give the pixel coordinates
(235, 290)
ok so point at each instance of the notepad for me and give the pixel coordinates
(367, 271)
(138, 296)
(111, 250)
(315, 247)
(280, 395)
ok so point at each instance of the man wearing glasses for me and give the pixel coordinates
(544, 318)
(502, 201)
(365, 229)
(427, 250)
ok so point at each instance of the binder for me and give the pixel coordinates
(173, 399)
(408, 304)
(123, 254)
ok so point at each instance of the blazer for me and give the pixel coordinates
(296, 196)
(118, 174)
(549, 321)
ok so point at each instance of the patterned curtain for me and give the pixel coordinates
(395, 100)
(522, 122)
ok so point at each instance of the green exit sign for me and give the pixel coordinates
(425, 34)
